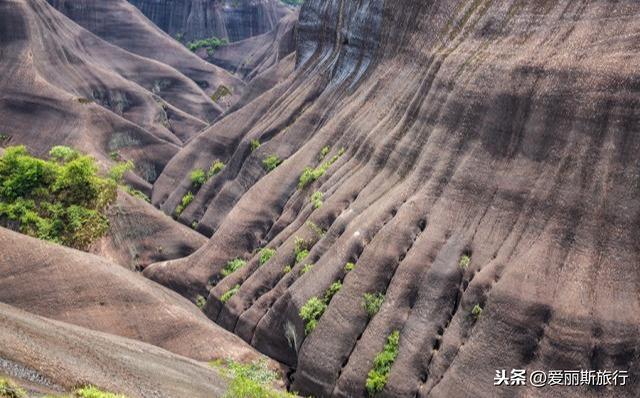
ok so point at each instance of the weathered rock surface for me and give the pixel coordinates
(86, 290)
(123, 25)
(139, 234)
(60, 357)
(197, 19)
(506, 131)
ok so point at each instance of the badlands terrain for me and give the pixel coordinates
(345, 198)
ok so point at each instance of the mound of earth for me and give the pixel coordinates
(62, 85)
(123, 25)
(225, 19)
(52, 357)
(139, 234)
(86, 290)
(488, 187)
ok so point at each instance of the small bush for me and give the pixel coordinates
(186, 201)
(464, 261)
(116, 173)
(230, 293)
(210, 44)
(317, 199)
(348, 267)
(254, 380)
(63, 154)
(201, 301)
(265, 255)
(324, 152)
(300, 256)
(271, 162)
(332, 291)
(286, 269)
(215, 168)
(372, 303)
(255, 144)
(198, 178)
(94, 392)
(476, 311)
(315, 228)
(310, 174)
(310, 312)
(378, 375)
(232, 266)
(301, 249)
(136, 193)
(9, 390)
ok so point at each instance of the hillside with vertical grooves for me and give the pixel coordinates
(505, 132)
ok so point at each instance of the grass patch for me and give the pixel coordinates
(94, 392)
(254, 380)
(201, 301)
(306, 268)
(265, 255)
(315, 307)
(372, 303)
(476, 311)
(255, 144)
(62, 200)
(379, 374)
(136, 193)
(271, 162)
(317, 199)
(198, 178)
(232, 266)
(286, 269)
(211, 44)
(215, 168)
(464, 262)
(117, 172)
(348, 267)
(315, 228)
(230, 293)
(310, 174)
(301, 249)
(10, 390)
(324, 152)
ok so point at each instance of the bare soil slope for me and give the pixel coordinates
(55, 357)
(88, 291)
(503, 131)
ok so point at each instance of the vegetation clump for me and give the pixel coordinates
(348, 267)
(211, 44)
(317, 199)
(310, 174)
(230, 293)
(372, 303)
(271, 162)
(198, 178)
(379, 374)
(255, 144)
(201, 301)
(286, 269)
(9, 390)
(186, 201)
(315, 307)
(94, 392)
(306, 268)
(301, 249)
(58, 200)
(232, 266)
(215, 168)
(222, 90)
(476, 311)
(254, 380)
(265, 255)
(315, 228)
(464, 262)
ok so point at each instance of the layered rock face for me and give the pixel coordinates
(505, 132)
(196, 19)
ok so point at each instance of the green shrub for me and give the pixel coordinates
(310, 174)
(476, 311)
(198, 178)
(230, 293)
(324, 152)
(332, 291)
(271, 162)
(9, 390)
(215, 168)
(301, 249)
(315, 228)
(232, 266)
(94, 392)
(265, 255)
(306, 268)
(136, 193)
(63, 154)
(114, 155)
(58, 200)
(372, 303)
(379, 373)
(201, 301)
(254, 380)
(186, 201)
(116, 173)
(317, 199)
(464, 261)
(311, 312)
(255, 144)
(348, 267)
(210, 44)
(301, 255)
(286, 269)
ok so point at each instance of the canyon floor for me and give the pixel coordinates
(347, 199)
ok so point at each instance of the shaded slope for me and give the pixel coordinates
(60, 356)
(197, 19)
(123, 25)
(139, 234)
(505, 131)
(88, 291)
(63, 85)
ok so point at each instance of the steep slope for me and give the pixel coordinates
(56, 357)
(139, 234)
(502, 132)
(86, 290)
(63, 85)
(123, 25)
(197, 19)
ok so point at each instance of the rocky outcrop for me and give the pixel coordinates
(53, 357)
(504, 132)
(123, 25)
(229, 19)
